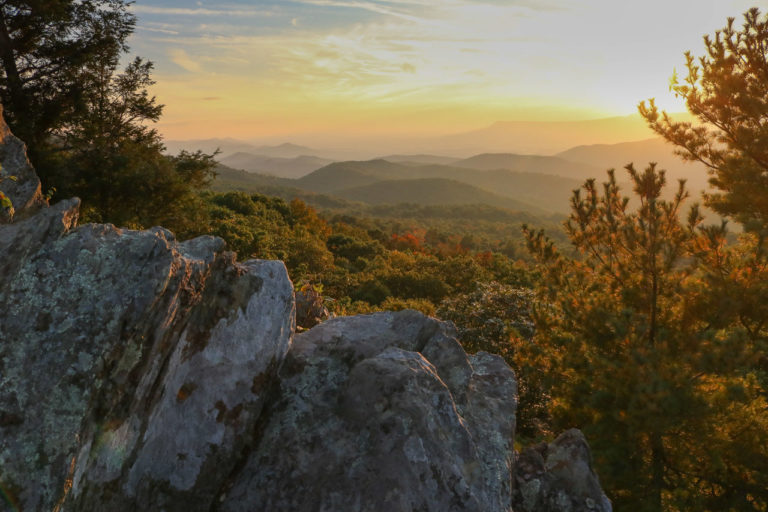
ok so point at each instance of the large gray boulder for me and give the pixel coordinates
(142, 373)
(383, 412)
(133, 368)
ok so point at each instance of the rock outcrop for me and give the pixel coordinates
(383, 412)
(132, 367)
(18, 179)
(142, 373)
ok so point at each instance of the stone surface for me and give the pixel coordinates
(558, 477)
(383, 412)
(139, 373)
(132, 367)
(24, 189)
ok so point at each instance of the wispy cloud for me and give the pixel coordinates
(183, 60)
(379, 8)
(292, 56)
(199, 11)
(160, 30)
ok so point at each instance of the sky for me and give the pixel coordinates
(277, 68)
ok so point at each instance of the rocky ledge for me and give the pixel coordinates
(142, 373)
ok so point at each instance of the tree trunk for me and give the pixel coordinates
(15, 84)
(657, 471)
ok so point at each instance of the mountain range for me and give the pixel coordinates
(547, 137)
(228, 146)
(537, 184)
(381, 181)
(432, 191)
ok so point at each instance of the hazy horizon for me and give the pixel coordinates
(520, 137)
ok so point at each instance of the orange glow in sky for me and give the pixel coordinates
(250, 69)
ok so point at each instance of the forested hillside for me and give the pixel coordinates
(375, 181)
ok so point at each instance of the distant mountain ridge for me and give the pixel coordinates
(409, 182)
(229, 146)
(529, 163)
(520, 137)
(285, 150)
(226, 146)
(294, 167)
(548, 137)
(342, 175)
(536, 180)
(419, 159)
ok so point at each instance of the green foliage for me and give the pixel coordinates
(114, 162)
(307, 254)
(254, 226)
(666, 397)
(345, 246)
(397, 304)
(373, 292)
(362, 264)
(727, 90)
(46, 47)
(86, 123)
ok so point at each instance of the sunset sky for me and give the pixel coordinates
(250, 69)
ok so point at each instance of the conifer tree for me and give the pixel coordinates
(86, 122)
(727, 91)
(660, 392)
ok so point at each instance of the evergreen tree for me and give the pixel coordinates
(109, 157)
(46, 46)
(661, 393)
(727, 91)
(86, 123)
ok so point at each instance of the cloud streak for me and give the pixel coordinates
(367, 6)
(160, 30)
(199, 11)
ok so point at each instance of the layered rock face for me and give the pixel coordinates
(142, 373)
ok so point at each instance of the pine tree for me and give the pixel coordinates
(627, 358)
(727, 91)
